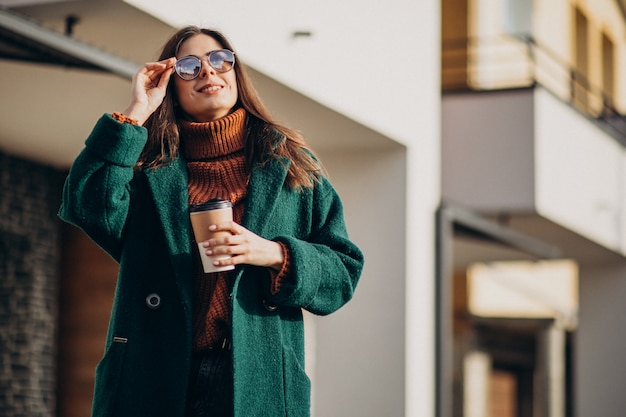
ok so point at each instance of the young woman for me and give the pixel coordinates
(183, 342)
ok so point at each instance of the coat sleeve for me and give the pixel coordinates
(96, 194)
(325, 268)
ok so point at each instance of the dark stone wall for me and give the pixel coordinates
(29, 260)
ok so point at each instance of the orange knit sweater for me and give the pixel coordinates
(216, 168)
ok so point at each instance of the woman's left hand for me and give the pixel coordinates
(244, 247)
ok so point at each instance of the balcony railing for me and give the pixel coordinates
(509, 62)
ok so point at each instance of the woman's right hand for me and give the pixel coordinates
(148, 89)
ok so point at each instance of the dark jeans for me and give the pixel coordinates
(211, 384)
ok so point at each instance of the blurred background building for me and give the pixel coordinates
(479, 149)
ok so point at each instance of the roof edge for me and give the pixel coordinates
(35, 32)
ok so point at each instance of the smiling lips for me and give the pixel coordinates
(211, 88)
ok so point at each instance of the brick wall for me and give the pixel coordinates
(29, 259)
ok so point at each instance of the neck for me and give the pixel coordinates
(213, 139)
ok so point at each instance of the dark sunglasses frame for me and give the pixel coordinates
(230, 59)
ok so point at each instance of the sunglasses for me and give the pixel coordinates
(189, 67)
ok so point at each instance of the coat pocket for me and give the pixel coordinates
(108, 377)
(297, 386)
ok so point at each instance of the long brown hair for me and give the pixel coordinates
(266, 138)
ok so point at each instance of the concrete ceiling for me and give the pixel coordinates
(570, 245)
(49, 104)
(48, 109)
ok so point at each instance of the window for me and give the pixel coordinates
(608, 70)
(580, 82)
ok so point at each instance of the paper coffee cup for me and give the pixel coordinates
(204, 215)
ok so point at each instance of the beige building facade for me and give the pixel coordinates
(479, 149)
(533, 138)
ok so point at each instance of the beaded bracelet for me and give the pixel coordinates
(122, 118)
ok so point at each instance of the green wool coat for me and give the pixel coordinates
(141, 219)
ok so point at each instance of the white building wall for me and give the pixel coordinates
(488, 150)
(378, 64)
(527, 151)
(359, 369)
(578, 172)
(599, 342)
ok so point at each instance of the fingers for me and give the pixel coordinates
(231, 227)
(234, 245)
(243, 247)
(235, 235)
(165, 77)
(237, 241)
(157, 74)
(149, 89)
(158, 67)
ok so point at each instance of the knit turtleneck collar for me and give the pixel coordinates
(202, 141)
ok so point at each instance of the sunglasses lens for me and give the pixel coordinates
(222, 60)
(188, 67)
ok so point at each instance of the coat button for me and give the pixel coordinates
(153, 301)
(271, 307)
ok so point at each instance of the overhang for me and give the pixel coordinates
(64, 64)
(622, 6)
(23, 39)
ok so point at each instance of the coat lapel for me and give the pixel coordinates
(169, 189)
(266, 183)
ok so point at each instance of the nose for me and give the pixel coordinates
(206, 69)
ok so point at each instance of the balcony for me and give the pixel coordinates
(528, 139)
(508, 62)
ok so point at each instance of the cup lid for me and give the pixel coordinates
(213, 204)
